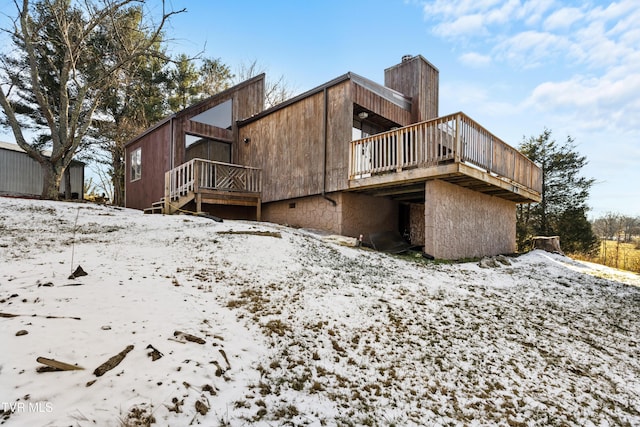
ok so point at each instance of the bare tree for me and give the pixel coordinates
(275, 91)
(65, 58)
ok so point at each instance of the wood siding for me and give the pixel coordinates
(381, 106)
(163, 146)
(149, 188)
(288, 144)
(417, 78)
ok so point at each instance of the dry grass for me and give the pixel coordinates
(625, 256)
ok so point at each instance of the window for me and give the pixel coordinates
(136, 164)
(198, 147)
(219, 116)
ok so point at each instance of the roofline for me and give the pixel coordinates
(340, 79)
(414, 57)
(16, 148)
(295, 99)
(186, 111)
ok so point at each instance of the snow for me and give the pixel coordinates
(315, 333)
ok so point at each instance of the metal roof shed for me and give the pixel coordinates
(21, 176)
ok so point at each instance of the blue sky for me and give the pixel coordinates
(517, 67)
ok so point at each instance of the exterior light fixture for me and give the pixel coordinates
(247, 140)
(363, 115)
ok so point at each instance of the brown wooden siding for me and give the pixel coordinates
(418, 79)
(288, 145)
(379, 105)
(340, 123)
(157, 143)
(149, 188)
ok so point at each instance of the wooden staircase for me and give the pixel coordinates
(206, 182)
(156, 208)
(164, 206)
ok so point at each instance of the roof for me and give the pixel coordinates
(15, 147)
(391, 95)
(193, 107)
(11, 147)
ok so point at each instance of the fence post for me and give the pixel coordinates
(167, 191)
(196, 176)
(399, 150)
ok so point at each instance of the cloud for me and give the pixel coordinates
(606, 102)
(562, 19)
(459, 18)
(475, 60)
(530, 49)
(462, 26)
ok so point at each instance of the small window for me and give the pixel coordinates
(136, 164)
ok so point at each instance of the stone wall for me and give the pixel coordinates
(461, 223)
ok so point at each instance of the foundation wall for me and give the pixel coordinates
(416, 224)
(353, 215)
(461, 223)
(363, 215)
(314, 212)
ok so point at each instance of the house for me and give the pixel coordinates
(351, 157)
(21, 176)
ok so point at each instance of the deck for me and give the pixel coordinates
(209, 182)
(452, 148)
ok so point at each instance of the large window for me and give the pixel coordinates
(219, 116)
(136, 164)
(198, 147)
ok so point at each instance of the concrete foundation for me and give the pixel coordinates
(353, 215)
(461, 223)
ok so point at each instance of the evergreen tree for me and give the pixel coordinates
(185, 83)
(189, 83)
(64, 58)
(563, 208)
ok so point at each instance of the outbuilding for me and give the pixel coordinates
(21, 176)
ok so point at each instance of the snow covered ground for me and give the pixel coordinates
(287, 328)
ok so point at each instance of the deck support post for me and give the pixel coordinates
(167, 192)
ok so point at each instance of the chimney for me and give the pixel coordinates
(415, 77)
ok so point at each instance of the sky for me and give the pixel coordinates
(517, 67)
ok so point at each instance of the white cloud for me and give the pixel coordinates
(606, 102)
(455, 8)
(533, 11)
(475, 60)
(462, 26)
(529, 49)
(562, 19)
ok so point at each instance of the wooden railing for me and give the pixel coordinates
(198, 174)
(453, 138)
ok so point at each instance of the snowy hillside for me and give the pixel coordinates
(259, 324)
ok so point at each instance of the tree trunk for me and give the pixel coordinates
(118, 175)
(67, 183)
(51, 177)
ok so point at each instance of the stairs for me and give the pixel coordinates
(162, 207)
(156, 208)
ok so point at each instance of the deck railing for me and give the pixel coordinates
(453, 138)
(197, 174)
